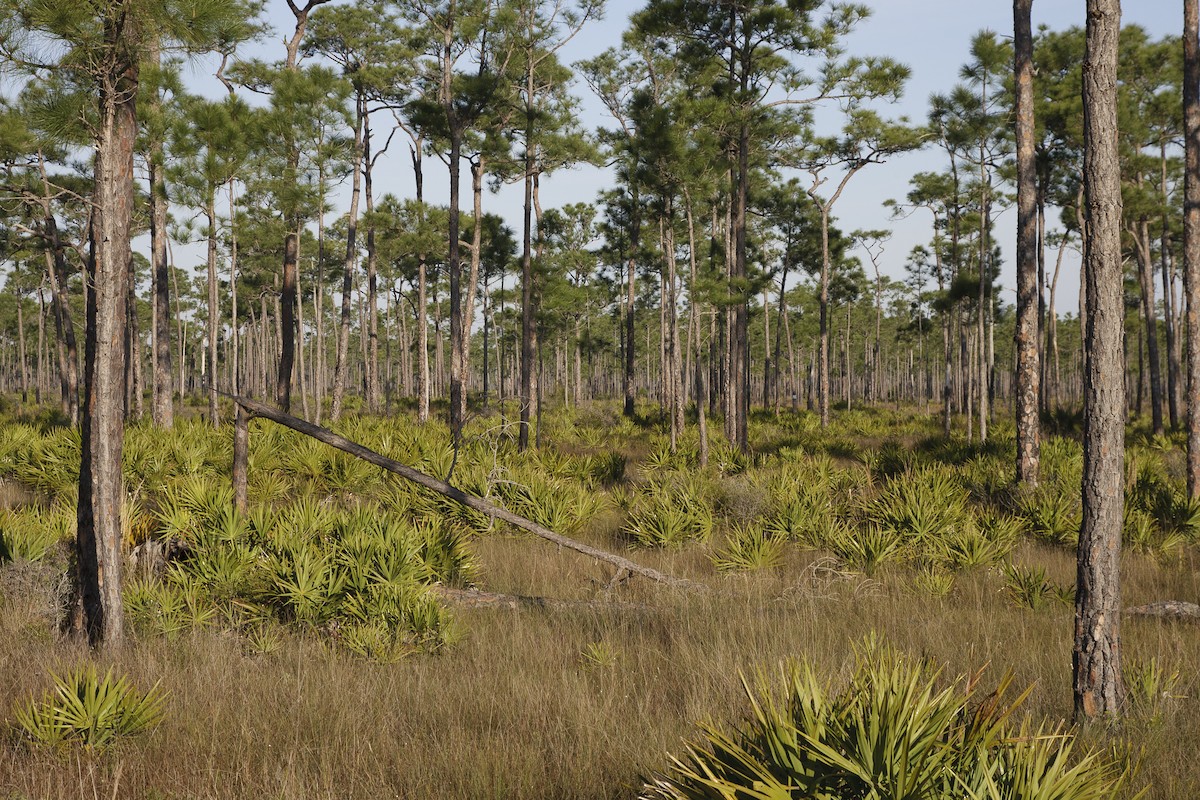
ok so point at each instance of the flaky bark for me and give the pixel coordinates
(1099, 689)
(163, 410)
(98, 542)
(1191, 234)
(1027, 388)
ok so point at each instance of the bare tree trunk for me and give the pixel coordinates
(1191, 234)
(98, 542)
(1141, 235)
(234, 335)
(287, 322)
(421, 322)
(477, 171)
(1169, 315)
(1099, 688)
(458, 367)
(635, 239)
(823, 347)
(213, 317)
(348, 266)
(1052, 326)
(133, 356)
(1028, 376)
(372, 331)
(64, 328)
(528, 323)
(163, 411)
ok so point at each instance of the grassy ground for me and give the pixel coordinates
(584, 703)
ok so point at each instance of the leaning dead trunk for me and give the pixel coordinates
(446, 490)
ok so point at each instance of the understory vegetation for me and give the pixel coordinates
(310, 647)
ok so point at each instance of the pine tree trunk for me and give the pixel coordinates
(1099, 689)
(823, 346)
(349, 264)
(1146, 282)
(635, 239)
(421, 321)
(1191, 234)
(458, 367)
(372, 364)
(528, 334)
(213, 319)
(1169, 316)
(1028, 388)
(163, 411)
(98, 543)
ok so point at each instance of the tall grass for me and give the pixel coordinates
(290, 642)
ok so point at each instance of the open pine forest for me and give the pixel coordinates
(546, 399)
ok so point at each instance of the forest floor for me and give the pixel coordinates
(588, 700)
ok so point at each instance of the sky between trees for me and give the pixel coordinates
(932, 37)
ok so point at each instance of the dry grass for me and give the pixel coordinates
(516, 710)
(570, 703)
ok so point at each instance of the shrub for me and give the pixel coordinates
(89, 709)
(670, 514)
(749, 548)
(891, 734)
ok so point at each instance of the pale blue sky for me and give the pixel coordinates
(930, 36)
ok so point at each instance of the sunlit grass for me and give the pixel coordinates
(808, 552)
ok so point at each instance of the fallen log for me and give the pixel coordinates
(446, 490)
(477, 598)
(1167, 609)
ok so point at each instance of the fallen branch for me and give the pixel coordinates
(446, 490)
(1167, 609)
(476, 598)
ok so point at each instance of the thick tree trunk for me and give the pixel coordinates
(1028, 375)
(98, 543)
(1099, 688)
(1191, 234)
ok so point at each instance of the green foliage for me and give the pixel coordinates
(896, 732)
(1151, 685)
(28, 534)
(1053, 515)
(867, 549)
(670, 513)
(599, 655)
(1029, 587)
(749, 548)
(934, 582)
(92, 710)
